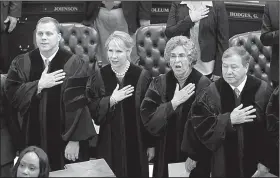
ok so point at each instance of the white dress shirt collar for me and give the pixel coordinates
(241, 86)
(50, 58)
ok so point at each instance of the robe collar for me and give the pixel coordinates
(111, 81)
(228, 97)
(37, 64)
(171, 81)
(51, 57)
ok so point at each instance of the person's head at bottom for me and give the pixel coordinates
(32, 162)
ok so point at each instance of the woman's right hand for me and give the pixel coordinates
(199, 14)
(123, 93)
(180, 96)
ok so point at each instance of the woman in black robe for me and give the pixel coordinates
(167, 102)
(115, 93)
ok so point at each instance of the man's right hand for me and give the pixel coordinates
(49, 80)
(240, 116)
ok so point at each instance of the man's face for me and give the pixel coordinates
(233, 70)
(47, 37)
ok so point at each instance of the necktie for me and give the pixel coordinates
(237, 92)
(47, 62)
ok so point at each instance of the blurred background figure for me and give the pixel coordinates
(109, 16)
(115, 93)
(9, 11)
(272, 119)
(167, 102)
(8, 152)
(270, 37)
(206, 23)
(32, 162)
(11, 140)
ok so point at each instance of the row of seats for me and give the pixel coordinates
(150, 43)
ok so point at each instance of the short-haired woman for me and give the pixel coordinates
(165, 108)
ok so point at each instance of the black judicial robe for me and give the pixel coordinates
(272, 116)
(122, 140)
(272, 125)
(239, 148)
(162, 121)
(57, 114)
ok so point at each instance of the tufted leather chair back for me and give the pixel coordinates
(150, 44)
(261, 55)
(80, 40)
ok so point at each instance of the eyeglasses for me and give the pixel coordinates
(180, 57)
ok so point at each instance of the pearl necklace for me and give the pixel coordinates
(125, 70)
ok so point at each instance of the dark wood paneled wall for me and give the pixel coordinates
(243, 17)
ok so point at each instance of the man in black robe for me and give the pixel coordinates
(229, 118)
(47, 87)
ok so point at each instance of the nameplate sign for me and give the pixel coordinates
(66, 9)
(60, 8)
(245, 15)
(160, 10)
(53, 7)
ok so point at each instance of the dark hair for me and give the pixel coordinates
(239, 51)
(43, 161)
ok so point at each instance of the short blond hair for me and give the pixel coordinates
(118, 36)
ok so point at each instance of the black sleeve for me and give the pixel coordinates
(268, 35)
(176, 28)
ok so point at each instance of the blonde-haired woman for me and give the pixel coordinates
(115, 93)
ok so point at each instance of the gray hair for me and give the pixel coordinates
(118, 36)
(47, 20)
(186, 43)
(239, 51)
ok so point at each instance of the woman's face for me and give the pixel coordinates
(179, 61)
(117, 54)
(29, 166)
